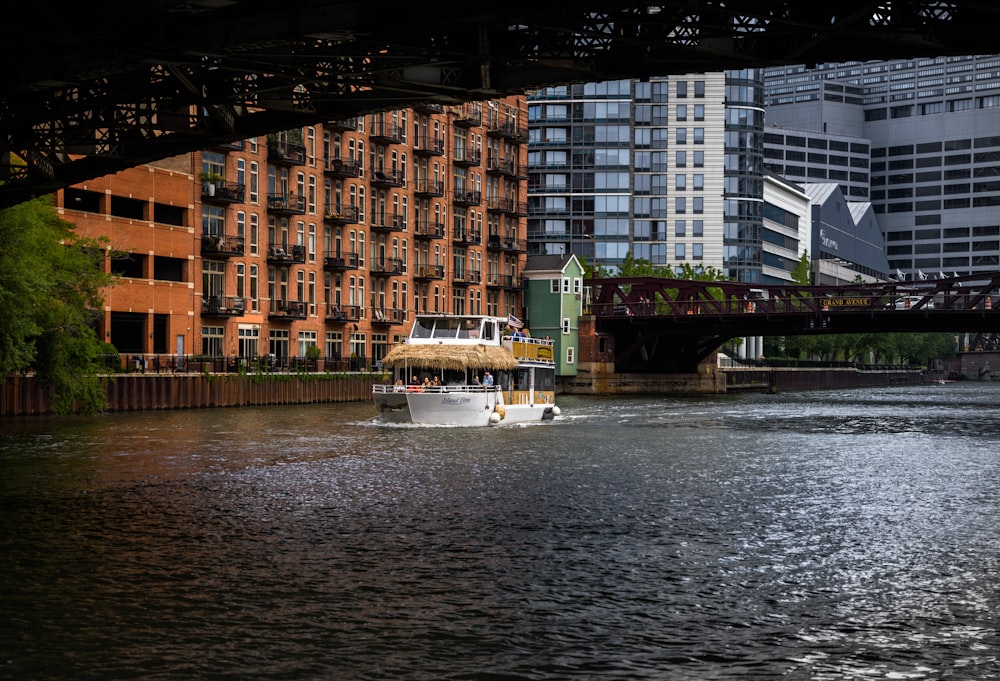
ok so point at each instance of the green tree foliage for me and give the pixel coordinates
(802, 273)
(51, 288)
(878, 348)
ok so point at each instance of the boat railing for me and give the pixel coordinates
(473, 388)
(530, 349)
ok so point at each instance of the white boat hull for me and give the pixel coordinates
(458, 408)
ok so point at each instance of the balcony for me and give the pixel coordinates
(286, 204)
(467, 199)
(287, 310)
(223, 306)
(429, 145)
(429, 229)
(495, 242)
(467, 157)
(386, 267)
(226, 147)
(467, 278)
(382, 316)
(340, 261)
(388, 222)
(428, 108)
(222, 192)
(431, 188)
(464, 236)
(285, 153)
(389, 177)
(429, 272)
(500, 166)
(386, 133)
(506, 206)
(508, 130)
(343, 125)
(342, 167)
(505, 281)
(218, 246)
(468, 115)
(337, 214)
(283, 254)
(341, 314)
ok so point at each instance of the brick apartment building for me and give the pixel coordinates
(331, 236)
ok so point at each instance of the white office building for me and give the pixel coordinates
(933, 131)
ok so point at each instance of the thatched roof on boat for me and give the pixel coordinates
(450, 357)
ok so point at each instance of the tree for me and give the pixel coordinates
(802, 273)
(51, 289)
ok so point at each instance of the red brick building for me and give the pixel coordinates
(331, 235)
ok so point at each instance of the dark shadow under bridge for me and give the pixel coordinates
(670, 325)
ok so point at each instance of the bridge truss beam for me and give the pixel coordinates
(97, 89)
(671, 325)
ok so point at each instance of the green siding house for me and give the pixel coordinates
(554, 302)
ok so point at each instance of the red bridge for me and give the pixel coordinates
(670, 325)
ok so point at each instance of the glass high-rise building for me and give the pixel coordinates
(933, 129)
(669, 170)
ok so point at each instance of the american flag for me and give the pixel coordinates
(513, 322)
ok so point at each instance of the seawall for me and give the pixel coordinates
(22, 395)
(599, 379)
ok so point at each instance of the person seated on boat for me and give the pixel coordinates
(427, 382)
(414, 380)
(516, 334)
(437, 380)
(487, 379)
(399, 386)
(526, 332)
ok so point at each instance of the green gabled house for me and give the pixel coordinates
(553, 300)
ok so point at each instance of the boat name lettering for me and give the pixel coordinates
(456, 399)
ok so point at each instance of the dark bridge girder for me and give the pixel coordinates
(96, 88)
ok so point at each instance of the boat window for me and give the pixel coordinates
(447, 328)
(489, 330)
(422, 328)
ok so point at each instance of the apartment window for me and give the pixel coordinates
(678, 251)
(565, 325)
(680, 227)
(212, 338)
(682, 112)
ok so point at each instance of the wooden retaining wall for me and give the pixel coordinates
(21, 395)
(776, 380)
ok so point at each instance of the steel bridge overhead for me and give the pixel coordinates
(96, 88)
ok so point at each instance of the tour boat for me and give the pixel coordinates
(462, 370)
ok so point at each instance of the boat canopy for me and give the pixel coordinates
(444, 356)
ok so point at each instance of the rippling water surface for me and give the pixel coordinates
(826, 535)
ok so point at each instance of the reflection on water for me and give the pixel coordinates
(828, 535)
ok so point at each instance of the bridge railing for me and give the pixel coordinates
(654, 296)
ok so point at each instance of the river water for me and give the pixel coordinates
(817, 535)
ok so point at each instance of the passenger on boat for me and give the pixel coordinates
(487, 379)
